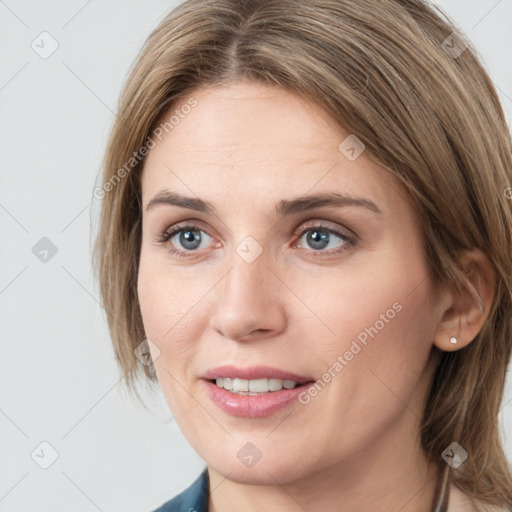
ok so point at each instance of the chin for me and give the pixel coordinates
(262, 472)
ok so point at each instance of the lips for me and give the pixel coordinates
(253, 373)
(255, 391)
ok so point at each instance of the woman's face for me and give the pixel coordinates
(299, 260)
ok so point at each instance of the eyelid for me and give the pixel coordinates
(171, 230)
(197, 223)
(349, 237)
(310, 224)
(322, 224)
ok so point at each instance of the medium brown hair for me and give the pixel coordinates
(386, 71)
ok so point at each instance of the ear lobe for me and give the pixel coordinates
(467, 309)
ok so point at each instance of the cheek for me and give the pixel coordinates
(383, 331)
(169, 303)
(364, 302)
(380, 316)
(170, 316)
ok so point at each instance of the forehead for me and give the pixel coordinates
(246, 139)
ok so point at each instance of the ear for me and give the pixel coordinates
(465, 312)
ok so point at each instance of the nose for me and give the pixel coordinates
(249, 301)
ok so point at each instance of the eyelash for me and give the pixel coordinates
(350, 241)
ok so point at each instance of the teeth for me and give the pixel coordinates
(288, 384)
(258, 385)
(275, 384)
(240, 385)
(255, 386)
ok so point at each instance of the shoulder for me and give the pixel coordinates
(460, 502)
(192, 499)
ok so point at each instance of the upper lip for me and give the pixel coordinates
(252, 373)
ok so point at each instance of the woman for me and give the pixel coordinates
(305, 239)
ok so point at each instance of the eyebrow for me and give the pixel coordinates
(284, 207)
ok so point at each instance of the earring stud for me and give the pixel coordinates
(453, 340)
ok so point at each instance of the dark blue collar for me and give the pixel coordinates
(194, 498)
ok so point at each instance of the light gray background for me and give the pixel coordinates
(58, 379)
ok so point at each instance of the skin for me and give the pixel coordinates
(355, 446)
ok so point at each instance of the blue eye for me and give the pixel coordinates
(189, 237)
(319, 237)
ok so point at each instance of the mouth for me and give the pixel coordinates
(255, 387)
(253, 391)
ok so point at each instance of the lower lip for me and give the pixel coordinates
(253, 406)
